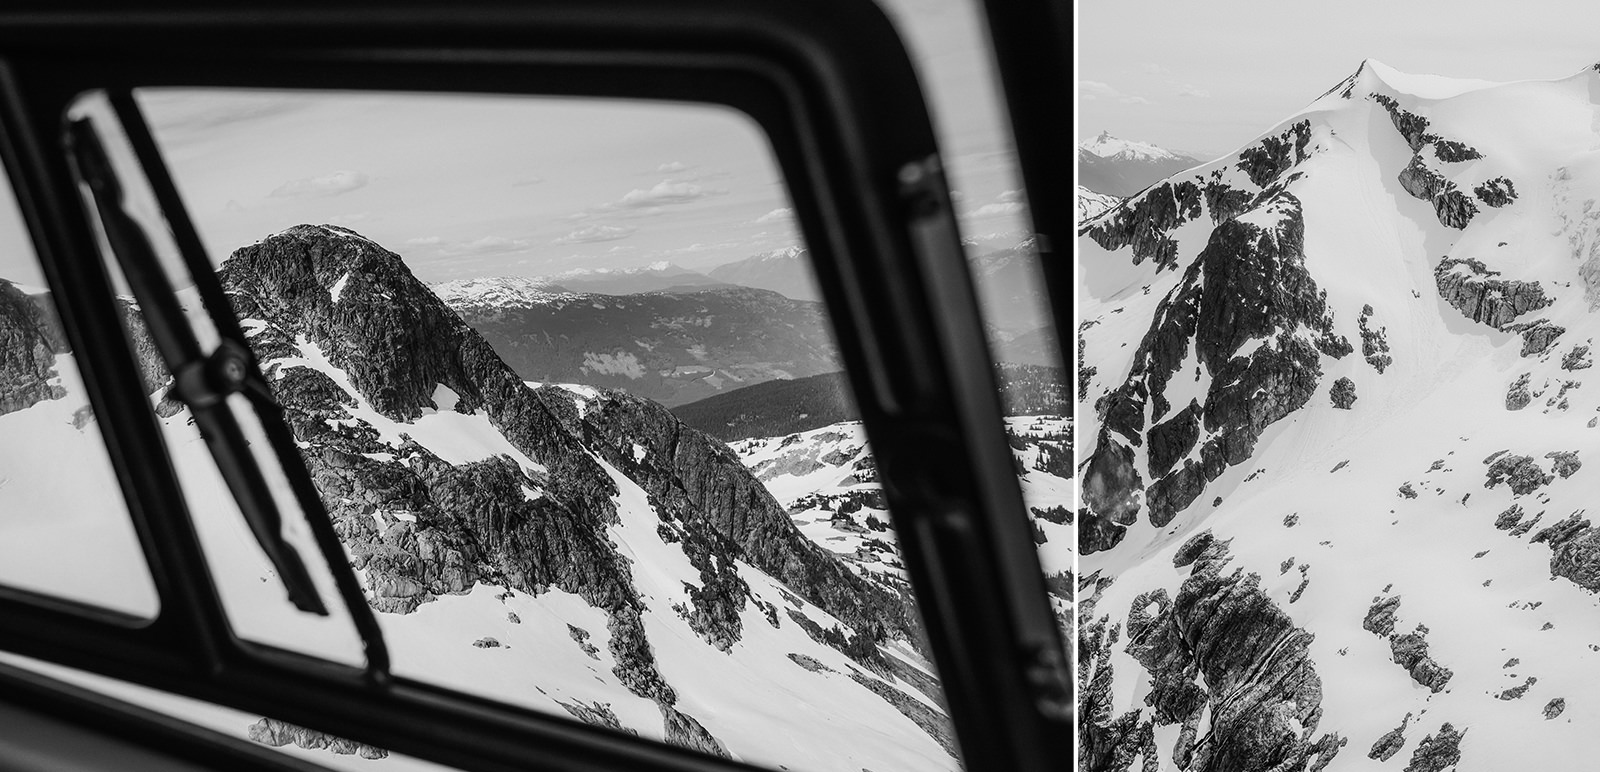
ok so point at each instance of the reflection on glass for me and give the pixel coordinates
(559, 373)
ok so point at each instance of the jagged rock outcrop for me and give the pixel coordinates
(1437, 751)
(1408, 650)
(1521, 473)
(1143, 222)
(28, 347)
(1469, 286)
(1453, 208)
(1343, 394)
(1575, 550)
(1222, 649)
(277, 734)
(1496, 192)
(1517, 394)
(1391, 742)
(1249, 283)
(1374, 342)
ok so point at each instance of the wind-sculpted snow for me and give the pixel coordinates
(1451, 230)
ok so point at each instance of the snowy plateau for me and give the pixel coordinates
(1340, 442)
(570, 549)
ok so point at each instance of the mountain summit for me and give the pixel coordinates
(1121, 168)
(1335, 481)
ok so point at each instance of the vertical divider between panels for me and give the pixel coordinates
(267, 409)
(190, 612)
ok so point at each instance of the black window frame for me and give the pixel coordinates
(831, 85)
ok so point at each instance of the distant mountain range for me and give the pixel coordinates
(778, 408)
(1122, 168)
(784, 271)
(673, 347)
(655, 277)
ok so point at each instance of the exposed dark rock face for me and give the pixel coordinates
(1517, 395)
(1575, 550)
(1144, 222)
(1554, 708)
(1450, 205)
(1566, 462)
(1249, 283)
(28, 347)
(1374, 342)
(931, 721)
(683, 731)
(1107, 743)
(1413, 127)
(1577, 359)
(1521, 473)
(1343, 393)
(1537, 337)
(1496, 192)
(277, 734)
(1437, 751)
(1408, 650)
(596, 714)
(1516, 692)
(1470, 287)
(1266, 161)
(1391, 742)
(1509, 518)
(1451, 151)
(1220, 647)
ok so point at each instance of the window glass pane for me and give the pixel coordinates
(317, 747)
(64, 526)
(949, 44)
(490, 320)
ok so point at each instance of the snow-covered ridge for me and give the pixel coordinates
(1107, 146)
(501, 292)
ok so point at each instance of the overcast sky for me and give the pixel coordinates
(482, 186)
(1209, 77)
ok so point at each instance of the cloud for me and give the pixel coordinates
(777, 215)
(1095, 90)
(488, 245)
(1187, 90)
(595, 233)
(526, 181)
(993, 210)
(483, 246)
(334, 184)
(664, 192)
(350, 219)
(670, 167)
(1008, 196)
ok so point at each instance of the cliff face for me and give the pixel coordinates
(30, 338)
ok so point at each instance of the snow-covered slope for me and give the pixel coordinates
(1340, 450)
(1091, 204)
